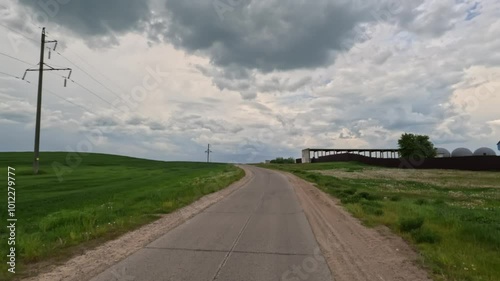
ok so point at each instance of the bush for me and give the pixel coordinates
(424, 235)
(410, 224)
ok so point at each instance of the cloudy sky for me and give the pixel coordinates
(256, 79)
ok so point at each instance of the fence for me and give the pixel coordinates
(471, 163)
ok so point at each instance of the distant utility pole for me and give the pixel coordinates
(208, 153)
(40, 70)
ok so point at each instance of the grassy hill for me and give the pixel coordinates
(74, 202)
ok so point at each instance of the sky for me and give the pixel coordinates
(257, 79)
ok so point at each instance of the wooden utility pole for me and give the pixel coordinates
(40, 69)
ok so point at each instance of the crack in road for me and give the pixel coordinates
(241, 233)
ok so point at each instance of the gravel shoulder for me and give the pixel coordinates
(94, 261)
(354, 252)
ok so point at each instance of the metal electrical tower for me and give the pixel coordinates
(208, 153)
(41, 69)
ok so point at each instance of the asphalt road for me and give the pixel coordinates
(258, 233)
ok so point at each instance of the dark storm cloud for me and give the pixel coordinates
(265, 35)
(94, 17)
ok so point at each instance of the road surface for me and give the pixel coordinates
(258, 233)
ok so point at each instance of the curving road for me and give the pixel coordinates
(258, 233)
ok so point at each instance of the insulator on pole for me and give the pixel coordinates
(69, 76)
(65, 82)
(55, 46)
(49, 53)
(24, 76)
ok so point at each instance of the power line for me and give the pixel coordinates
(85, 88)
(93, 78)
(64, 57)
(88, 90)
(68, 101)
(53, 93)
(15, 31)
(96, 69)
(78, 84)
(94, 94)
(13, 76)
(67, 59)
(88, 74)
(14, 58)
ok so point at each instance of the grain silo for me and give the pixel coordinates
(461, 152)
(484, 151)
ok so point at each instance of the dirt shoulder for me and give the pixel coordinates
(353, 251)
(94, 261)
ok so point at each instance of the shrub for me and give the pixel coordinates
(410, 224)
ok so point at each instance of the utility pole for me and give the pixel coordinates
(36, 160)
(208, 153)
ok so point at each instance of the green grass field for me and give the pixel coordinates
(452, 217)
(99, 199)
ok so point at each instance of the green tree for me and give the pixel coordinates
(411, 146)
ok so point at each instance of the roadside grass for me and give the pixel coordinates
(454, 222)
(102, 198)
